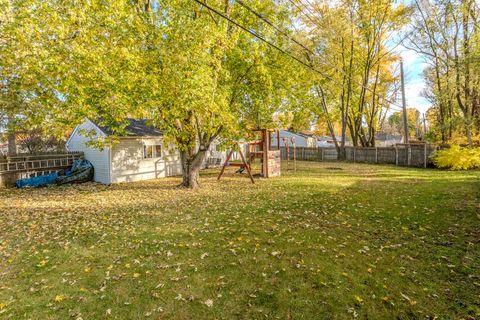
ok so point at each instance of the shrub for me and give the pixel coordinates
(457, 158)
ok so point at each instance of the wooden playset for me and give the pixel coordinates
(290, 143)
(256, 149)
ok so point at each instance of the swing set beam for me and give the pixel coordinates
(244, 163)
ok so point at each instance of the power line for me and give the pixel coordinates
(282, 32)
(256, 35)
(310, 51)
(259, 15)
(302, 12)
(388, 52)
(307, 6)
(398, 108)
(315, 22)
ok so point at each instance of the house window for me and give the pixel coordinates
(153, 151)
(158, 150)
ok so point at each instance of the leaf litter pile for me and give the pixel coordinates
(374, 242)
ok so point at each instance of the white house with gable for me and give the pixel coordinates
(140, 154)
(300, 139)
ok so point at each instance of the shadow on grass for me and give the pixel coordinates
(325, 227)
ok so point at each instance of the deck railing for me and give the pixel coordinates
(37, 162)
(34, 165)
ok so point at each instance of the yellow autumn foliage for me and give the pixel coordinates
(458, 158)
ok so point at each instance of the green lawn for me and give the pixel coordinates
(332, 240)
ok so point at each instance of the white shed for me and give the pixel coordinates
(139, 155)
(301, 140)
(383, 139)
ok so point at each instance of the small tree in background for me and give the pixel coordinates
(35, 141)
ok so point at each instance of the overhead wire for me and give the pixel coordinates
(339, 70)
(399, 108)
(259, 15)
(263, 39)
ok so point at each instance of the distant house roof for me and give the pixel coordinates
(327, 138)
(381, 136)
(134, 128)
(301, 134)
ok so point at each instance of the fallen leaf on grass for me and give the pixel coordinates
(412, 302)
(42, 263)
(180, 297)
(209, 303)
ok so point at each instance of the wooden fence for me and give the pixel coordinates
(412, 155)
(27, 166)
(309, 154)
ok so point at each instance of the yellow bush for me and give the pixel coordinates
(460, 138)
(457, 158)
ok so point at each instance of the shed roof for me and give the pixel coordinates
(134, 128)
(382, 136)
(300, 134)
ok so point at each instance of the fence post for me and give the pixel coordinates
(396, 155)
(376, 155)
(321, 154)
(425, 155)
(409, 155)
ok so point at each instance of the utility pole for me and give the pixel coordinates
(404, 104)
(11, 138)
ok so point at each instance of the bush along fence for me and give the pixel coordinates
(411, 155)
(17, 167)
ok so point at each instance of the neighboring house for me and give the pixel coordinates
(216, 157)
(3, 149)
(141, 154)
(301, 139)
(387, 140)
(3, 142)
(327, 141)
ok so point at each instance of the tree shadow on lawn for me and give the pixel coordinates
(300, 252)
(394, 173)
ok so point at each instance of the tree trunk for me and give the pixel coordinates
(12, 144)
(329, 120)
(343, 153)
(191, 166)
(191, 177)
(466, 86)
